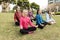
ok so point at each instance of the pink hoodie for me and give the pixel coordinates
(25, 22)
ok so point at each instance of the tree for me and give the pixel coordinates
(34, 5)
(24, 4)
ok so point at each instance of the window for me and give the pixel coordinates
(57, 0)
(50, 2)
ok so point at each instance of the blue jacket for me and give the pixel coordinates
(39, 19)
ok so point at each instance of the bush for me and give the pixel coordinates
(57, 13)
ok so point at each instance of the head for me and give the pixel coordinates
(30, 10)
(17, 8)
(48, 12)
(39, 11)
(25, 12)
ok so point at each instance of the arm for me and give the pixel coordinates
(33, 15)
(41, 19)
(38, 19)
(15, 17)
(31, 24)
(21, 27)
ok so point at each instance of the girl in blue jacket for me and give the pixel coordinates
(39, 20)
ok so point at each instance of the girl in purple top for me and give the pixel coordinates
(30, 14)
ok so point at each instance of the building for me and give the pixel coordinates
(53, 1)
(54, 5)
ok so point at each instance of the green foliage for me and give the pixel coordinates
(24, 4)
(57, 13)
(34, 5)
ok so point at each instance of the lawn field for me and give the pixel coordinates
(8, 31)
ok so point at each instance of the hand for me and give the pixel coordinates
(21, 27)
(36, 26)
(41, 24)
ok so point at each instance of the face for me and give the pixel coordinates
(39, 11)
(49, 12)
(25, 13)
(30, 10)
(18, 8)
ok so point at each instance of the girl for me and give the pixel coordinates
(25, 22)
(30, 14)
(39, 20)
(49, 19)
(17, 16)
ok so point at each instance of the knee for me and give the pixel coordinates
(17, 23)
(21, 31)
(41, 27)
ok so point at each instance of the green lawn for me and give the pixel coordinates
(8, 31)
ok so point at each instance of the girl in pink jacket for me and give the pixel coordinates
(25, 22)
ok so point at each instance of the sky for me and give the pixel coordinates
(42, 3)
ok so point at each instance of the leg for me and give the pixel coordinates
(49, 23)
(31, 20)
(32, 28)
(34, 19)
(45, 23)
(23, 31)
(27, 31)
(41, 27)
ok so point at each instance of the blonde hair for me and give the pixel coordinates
(25, 10)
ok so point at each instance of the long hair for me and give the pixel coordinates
(48, 12)
(38, 11)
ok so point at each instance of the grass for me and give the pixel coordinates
(8, 31)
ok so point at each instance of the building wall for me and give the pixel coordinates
(54, 5)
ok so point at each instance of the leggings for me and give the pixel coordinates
(41, 27)
(26, 31)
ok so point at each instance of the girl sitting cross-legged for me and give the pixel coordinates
(49, 18)
(17, 16)
(39, 20)
(30, 15)
(25, 22)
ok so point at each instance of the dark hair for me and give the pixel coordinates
(48, 12)
(16, 8)
(37, 11)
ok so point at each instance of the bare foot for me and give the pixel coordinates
(31, 32)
